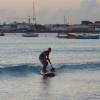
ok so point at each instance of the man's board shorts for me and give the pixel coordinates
(43, 61)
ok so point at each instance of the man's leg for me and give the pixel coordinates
(45, 67)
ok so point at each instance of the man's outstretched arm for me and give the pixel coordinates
(48, 59)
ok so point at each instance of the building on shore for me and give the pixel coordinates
(84, 27)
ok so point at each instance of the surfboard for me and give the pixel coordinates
(47, 74)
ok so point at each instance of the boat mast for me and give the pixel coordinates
(64, 20)
(34, 14)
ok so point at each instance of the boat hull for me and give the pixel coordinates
(30, 35)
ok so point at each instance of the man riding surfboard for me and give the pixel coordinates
(44, 59)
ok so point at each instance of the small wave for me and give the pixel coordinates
(19, 70)
(26, 69)
(79, 66)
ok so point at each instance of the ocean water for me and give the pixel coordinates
(77, 64)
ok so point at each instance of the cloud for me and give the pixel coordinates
(52, 11)
(88, 10)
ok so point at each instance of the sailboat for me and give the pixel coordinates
(32, 34)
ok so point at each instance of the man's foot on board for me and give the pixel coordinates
(45, 72)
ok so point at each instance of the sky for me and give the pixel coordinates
(50, 11)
